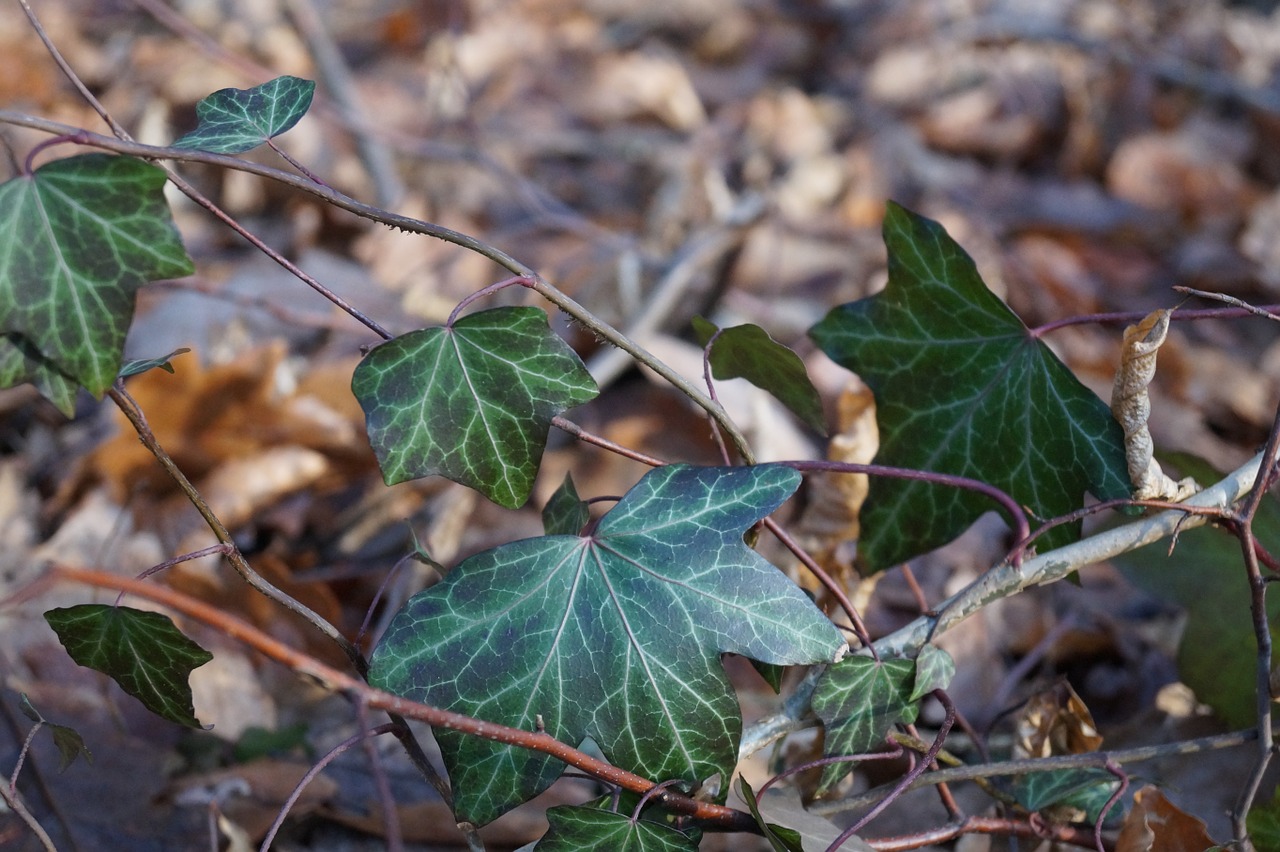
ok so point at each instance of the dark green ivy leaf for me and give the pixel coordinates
(144, 652)
(67, 740)
(858, 700)
(565, 513)
(78, 237)
(615, 636)
(962, 387)
(1086, 790)
(472, 402)
(583, 828)
(748, 352)
(232, 121)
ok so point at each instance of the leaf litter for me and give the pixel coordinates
(1087, 160)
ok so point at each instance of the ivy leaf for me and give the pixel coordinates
(67, 740)
(858, 701)
(78, 237)
(141, 365)
(962, 387)
(609, 636)
(472, 402)
(1078, 789)
(565, 513)
(748, 352)
(232, 121)
(934, 670)
(576, 828)
(144, 652)
(779, 839)
(20, 362)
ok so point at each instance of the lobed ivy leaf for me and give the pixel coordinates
(748, 352)
(67, 740)
(144, 652)
(232, 121)
(858, 701)
(615, 635)
(78, 237)
(963, 387)
(574, 828)
(472, 402)
(565, 513)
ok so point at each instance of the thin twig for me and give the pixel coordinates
(548, 291)
(1085, 760)
(233, 555)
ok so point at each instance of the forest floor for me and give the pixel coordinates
(657, 160)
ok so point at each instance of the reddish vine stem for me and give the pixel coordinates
(521, 280)
(724, 818)
(1261, 629)
(221, 547)
(1018, 517)
(907, 779)
(984, 825)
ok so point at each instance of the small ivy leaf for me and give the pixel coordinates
(565, 513)
(78, 237)
(20, 362)
(144, 652)
(134, 367)
(574, 828)
(780, 839)
(1085, 790)
(748, 352)
(858, 700)
(962, 387)
(68, 741)
(232, 121)
(934, 670)
(591, 633)
(473, 402)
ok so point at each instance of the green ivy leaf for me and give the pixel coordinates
(576, 828)
(616, 636)
(77, 239)
(962, 387)
(934, 670)
(1082, 789)
(232, 121)
(858, 701)
(144, 652)
(142, 365)
(748, 352)
(565, 513)
(780, 839)
(20, 362)
(472, 402)
(67, 740)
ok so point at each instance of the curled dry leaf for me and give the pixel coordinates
(1131, 407)
(1156, 823)
(829, 525)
